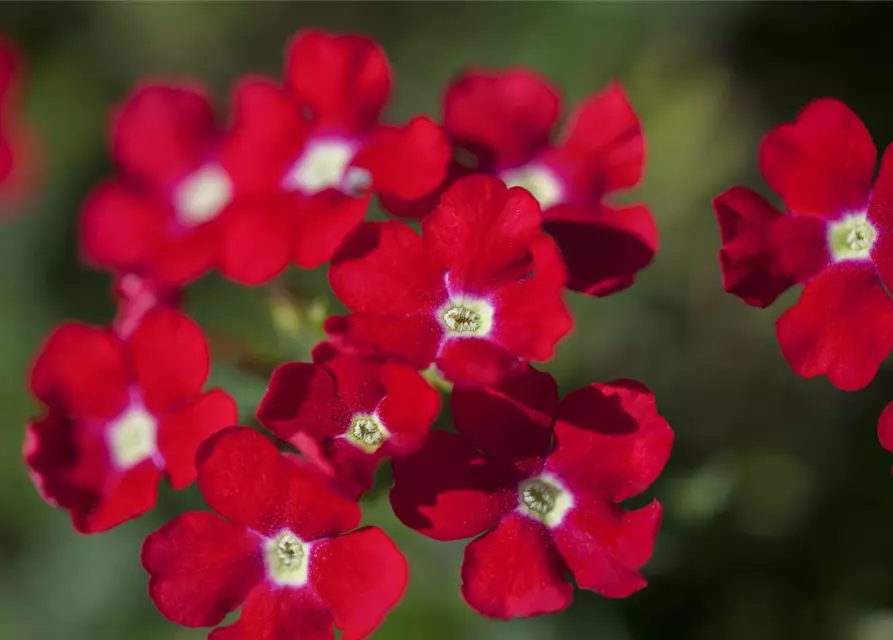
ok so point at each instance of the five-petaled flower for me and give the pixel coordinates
(835, 238)
(477, 294)
(347, 413)
(278, 548)
(120, 412)
(310, 155)
(545, 508)
(501, 123)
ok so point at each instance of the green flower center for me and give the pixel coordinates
(367, 432)
(851, 237)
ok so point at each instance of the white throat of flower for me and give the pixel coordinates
(202, 195)
(132, 438)
(466, 317)
(325, 164)
(851, 237)
(367, 432)
(539, 180)
(544, 498)
(287, 559)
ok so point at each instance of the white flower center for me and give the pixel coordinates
(367, 432)
(544, 498)
(851, 237)
(326, 165)
(466, 317)
(287, 559)
(203, 195)
(132, 437)
(539, 180)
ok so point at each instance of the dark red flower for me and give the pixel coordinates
(162, 215)
(347, 413)
(120, 413)
(834, 239)
(477, 294)
(545, 508)
(18, 142)
(137, 296)
(503, 124)
(277, 549)
(312, 152)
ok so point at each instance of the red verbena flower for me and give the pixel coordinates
(278, 549)
(502, 123)
(18, 142)
(162, 215)
(834, 238)
(477, 294)
(545, 508)
(347, 413)
(313, 151)
(137, 296)
(120, 412)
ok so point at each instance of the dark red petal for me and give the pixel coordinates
(880, 213)
(181, 433)
(406, 162)
(408, 409)
(320, 224)
(171, 359)
(604, 547)
(345, 80)
(187, 257)
(413, 340)
(821, 164)
(611, 441)
(842, 326)
(885, 428)
(448, 490)
(201, 567)
(279, 614)
(162, 132)
(360, 577)
(515, 571)
(511, 421)
(476, 362)
(357, 379)
(81, 370)
(124, 497)
(482, 233)
(384, 268)
(603, 248)
(254, 240)
(506, 117)
(244, 478)
(120, 229)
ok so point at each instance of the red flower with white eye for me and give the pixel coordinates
(312, 152)
(120, 413)
(162, 215)
(502, 123)
(545, 509)
(278, 549)
(348, 413)
(477, 294)
(18, 142)
(835, 238)
(137, 296)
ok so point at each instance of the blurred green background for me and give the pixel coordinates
(779, 500)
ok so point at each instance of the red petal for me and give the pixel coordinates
(171, 359)
(254, 240)
(448, 490)
(821, 164)
(880, 213)
(413, 340)
(408, 409)
(603, 248)
(162, 132)
(505, 117)
(244, 478)
(385, 269)
(841, 327)
(885, 428)
(81, 370)
(476, 362)
(320, 224)
(279, 614)
(482, 233)
(187, 257)
(515, 571)
(406, 162)
(201, 567)
(360, 577)
(610, 440)
(346, 79)
(181, 433)
(604, 546)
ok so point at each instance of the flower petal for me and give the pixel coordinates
(279, 614)
(448, 490)
(880, 214)
(254, 240)
(320, 224)
(201, 567)
(841, 327)
(360, 577)
(187, 257)
(408, 409)
(885, 428)
(413, 340)
(821, 164)
(515, 571)
(476, 362)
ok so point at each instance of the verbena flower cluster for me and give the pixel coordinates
(511, 212)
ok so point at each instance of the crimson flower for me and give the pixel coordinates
(18, 143)
(502, 123)
(312, 152)
(347, 413)
(120, 412)
(834, 239)
(545, 509)
(477, 294)
(277, 548)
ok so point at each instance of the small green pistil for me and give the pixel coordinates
(462, 320)
(851, 238)
(539, 496)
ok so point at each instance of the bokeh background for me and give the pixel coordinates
(779, 500)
